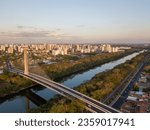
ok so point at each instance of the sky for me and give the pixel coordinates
(74, 21)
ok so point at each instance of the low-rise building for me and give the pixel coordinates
(1, 71)
(137, 102)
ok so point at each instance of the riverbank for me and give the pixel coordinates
(12, 84)
(63, 69)
(98, 87)
(15, 83)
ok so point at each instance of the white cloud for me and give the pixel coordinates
(30, 33)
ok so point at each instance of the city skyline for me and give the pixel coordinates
(60, 21)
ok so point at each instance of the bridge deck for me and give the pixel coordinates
(63, 90)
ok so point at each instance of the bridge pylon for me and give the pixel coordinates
(26, 66)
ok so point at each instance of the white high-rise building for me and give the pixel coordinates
(114, 49)
(11, 49)
(108, 48)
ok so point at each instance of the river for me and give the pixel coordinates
(20, 103)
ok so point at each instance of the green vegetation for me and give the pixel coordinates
(104, 83)
(11, 83)
(135, 87)
(67, 67)
(146, 89)
(98, 88)
(59, 104)
(67, 57)
(14, 83)
(147, 68)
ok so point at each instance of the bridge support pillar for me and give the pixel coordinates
(26, 67)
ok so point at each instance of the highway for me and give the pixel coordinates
(120, 89)
(120, 99)
(93, 104)
(122, 92)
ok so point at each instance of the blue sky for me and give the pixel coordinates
(74, 21)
